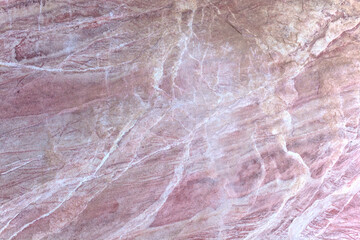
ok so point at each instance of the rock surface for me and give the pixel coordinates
(179, 119)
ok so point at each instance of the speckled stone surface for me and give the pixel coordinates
(177, 120)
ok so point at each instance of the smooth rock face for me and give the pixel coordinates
(179, 119)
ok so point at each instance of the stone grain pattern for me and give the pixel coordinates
(179, 119)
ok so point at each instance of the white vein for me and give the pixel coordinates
(17, 65)
(149, 213)
(14, 168)
(302, 221)
(126, 128)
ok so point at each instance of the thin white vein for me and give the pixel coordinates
(107, 81)
(16, 65)
(183, 44)
(17, 167)
(295, 156)
(150, 212)
(263, 170)
(296, 187)
(333, 218)
(135, 161)
(300, 222)
(48, 213)
(127, 128)
(10, 220)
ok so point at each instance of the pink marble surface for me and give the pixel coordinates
(179, 119)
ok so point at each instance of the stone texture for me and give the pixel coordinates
(186, 119)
